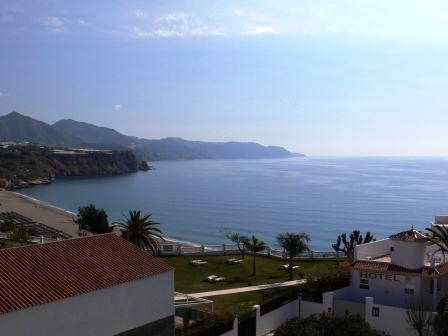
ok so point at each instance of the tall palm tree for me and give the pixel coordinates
(439, 237)
(293, 243)
(254, 245)
(140, 231)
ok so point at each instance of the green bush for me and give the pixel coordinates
(212, 326)
(339, 278)
(276, 302)
(328, 325)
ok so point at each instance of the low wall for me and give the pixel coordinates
(373, 249)
(389, 319)
(231, 249)
(275, 318)
(32, 239)
(234, 331)
(392, 320)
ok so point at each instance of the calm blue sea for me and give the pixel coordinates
(194, 200)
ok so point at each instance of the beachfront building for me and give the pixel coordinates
(392, 275)
(94, 285)
(399, 271)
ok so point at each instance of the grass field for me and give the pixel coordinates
(192, 279)
(13, 243)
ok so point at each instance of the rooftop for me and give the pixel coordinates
(381, 266)
(37, 274)
(409, 236)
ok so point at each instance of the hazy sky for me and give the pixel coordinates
(316, 77)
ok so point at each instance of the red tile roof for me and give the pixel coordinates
(375, 266)
(37, 274)
(409, 235)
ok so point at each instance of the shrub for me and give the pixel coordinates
(212, 326)
(328, 325)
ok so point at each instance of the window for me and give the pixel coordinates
(408, 289)
(364, 284)
(431, 286)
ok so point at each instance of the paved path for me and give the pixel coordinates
(242, 289)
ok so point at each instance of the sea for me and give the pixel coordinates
(196, 201)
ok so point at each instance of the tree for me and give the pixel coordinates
(239, 239)
(7, 226)
(254, 245)
(440, 322)
(327, 324)
(439, 237)
(418, 315)
(349, 245)
(140, 231)
(92, 220)
(21, 235)
(293, 243)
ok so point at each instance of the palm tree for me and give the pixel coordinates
(254, 245)
(293, 243)
(139, 230)
(439, 237)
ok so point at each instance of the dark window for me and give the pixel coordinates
(408, 289)
(364, 284)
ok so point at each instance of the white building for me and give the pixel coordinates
(392, 275)
(397, 271)
(94, 285)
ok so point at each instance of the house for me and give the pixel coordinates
(94, 285)
(398, 271)
(390, 277)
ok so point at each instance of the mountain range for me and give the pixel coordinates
(15, 127)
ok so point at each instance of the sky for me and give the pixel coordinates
(323, 78)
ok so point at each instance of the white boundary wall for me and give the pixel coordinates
(390, 319)
(108, 311)
(276, 318)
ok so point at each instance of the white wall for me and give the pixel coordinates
(391, 319)
(234, 331)
(276, 318)
(409, 254)
(387, 289)
(103, 312)
(373, 249)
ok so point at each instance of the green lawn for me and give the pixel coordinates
(13, 243)
(192, 279)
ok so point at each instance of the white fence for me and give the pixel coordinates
(32, 239)
(232, 249)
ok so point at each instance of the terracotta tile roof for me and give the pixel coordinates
(409, 235)
(37, 274)
(375, 266)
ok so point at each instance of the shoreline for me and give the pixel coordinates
(50, 215)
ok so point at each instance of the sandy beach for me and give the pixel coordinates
(46, 214)
(39, 212)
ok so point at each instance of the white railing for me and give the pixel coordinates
(232, 249)
(32, 239)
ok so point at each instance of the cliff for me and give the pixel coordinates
(21, 166)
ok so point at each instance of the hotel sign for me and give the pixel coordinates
(386, 277)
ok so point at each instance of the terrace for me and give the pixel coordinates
(381, 250)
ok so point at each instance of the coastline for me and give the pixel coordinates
(52, 216)
(40, 212)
